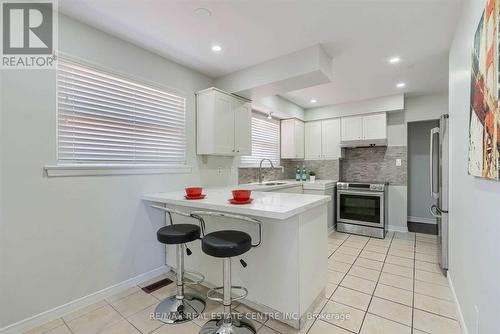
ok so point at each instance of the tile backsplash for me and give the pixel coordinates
(251, 175)
(324, 169)
(368, 164)
(361, 164)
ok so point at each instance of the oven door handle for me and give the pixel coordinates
(365, 193)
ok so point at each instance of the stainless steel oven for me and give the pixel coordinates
(362, 208)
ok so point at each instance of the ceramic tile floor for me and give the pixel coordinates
(390, 286)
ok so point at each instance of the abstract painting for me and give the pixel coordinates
(484, 124)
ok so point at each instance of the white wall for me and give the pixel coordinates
(474, 202)
(64, 238)
(281, 107)
(380, 104)
(426, 107)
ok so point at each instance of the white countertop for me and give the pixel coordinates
(265, 204)
(317, 185)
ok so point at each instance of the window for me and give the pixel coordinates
(265, 141)
(104, 119)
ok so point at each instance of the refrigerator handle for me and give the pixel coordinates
(431, 164)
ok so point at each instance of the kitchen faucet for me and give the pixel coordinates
(260, 169)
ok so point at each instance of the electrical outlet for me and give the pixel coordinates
(398, 162)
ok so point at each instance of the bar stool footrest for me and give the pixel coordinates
(219, 289)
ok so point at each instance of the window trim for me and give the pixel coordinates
(62, 170)
(94, 169)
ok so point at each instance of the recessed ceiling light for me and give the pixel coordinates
(394, 60)
(216, 48)
(401, 85)
(313, 101)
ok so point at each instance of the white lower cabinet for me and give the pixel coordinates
(331, 204)
(328, 192)
(290, 190)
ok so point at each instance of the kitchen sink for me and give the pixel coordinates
(273, 183)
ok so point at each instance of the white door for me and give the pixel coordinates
(312, 134)
(352, 128)
(299, 139)
(330, 138)
(223, 131)
(243, 127)
(375, 126)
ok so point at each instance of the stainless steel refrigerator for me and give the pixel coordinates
(439, 170)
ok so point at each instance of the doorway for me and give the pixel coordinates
(419, 189)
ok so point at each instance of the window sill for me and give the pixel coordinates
(129, 169)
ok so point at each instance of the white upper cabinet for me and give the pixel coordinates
(352, 128)
(330, 139)
(364, 130)
(375, 126)
(223, 123)
(313, 140)
(292, 139)
(243, 127)
(322, 140)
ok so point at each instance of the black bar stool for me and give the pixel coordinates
(182, 306)
(227, 244)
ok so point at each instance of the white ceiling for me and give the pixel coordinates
(360, 36)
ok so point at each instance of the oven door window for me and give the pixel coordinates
(360, 208)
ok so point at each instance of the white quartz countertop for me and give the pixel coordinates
(265, 204)
(317, 185)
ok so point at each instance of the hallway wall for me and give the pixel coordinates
(474, 202)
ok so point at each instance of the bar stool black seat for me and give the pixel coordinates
(178, 234)
(227, 244)
(182, 306)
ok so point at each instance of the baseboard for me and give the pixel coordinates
(461, 319)
(331, 229)
(421, 220)
(397, 228)
(59, 311)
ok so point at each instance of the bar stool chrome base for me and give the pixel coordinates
(238, 325)
(176, 311)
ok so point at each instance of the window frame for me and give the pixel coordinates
(87, 169)
(258, 114)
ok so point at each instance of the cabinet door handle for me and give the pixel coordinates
(233, 150)
(237, 150)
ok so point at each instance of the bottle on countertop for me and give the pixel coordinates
(297, 174)
(304, 174)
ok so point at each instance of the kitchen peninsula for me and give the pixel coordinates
(287, 273)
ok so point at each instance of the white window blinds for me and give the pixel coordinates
(265, 141)
(105, 119)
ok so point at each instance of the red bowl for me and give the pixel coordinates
(194, 191)
(241, 195)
